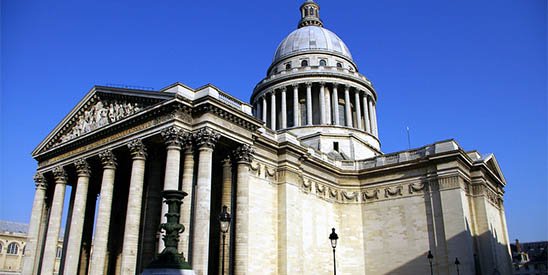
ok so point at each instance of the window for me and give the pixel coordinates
(288, 66)
(59, 252)
(335, 146)
(1, 248)
(322, 62)
(24, 248)
(339, 65)
(275, 70)
(13, 248)
(304, 63)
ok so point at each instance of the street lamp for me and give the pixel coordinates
(430, 257)
(457, 263)
(333, 237)
(224, 219)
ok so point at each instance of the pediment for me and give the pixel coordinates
(493, 165)
(101, 107)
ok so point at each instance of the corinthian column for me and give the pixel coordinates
(373, 117)
(335, 102)
(367, 120)
(284, 108)
(102, 225)
(322, 103)
(206, 139)
(188, 178)
(226, 199)
(265, 108)
(243, 156)
(273, 111)
(54, 226)
(173, 138)
(296, 111)
(358, 109)
(308, 103)
(348, 113)
(78, 214)
(133, 215)
(32, 256)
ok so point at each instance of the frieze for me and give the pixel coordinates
(393, 191)
(307, 185)
(349, 196)
(416, 187)
(103, 112)
(448, 182)
(320, 189)
(333, 193)
(226, 115)
(370, 194)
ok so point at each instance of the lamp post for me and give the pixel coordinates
(430, 257)
(457, 263)
(333, 237)
(224, 219)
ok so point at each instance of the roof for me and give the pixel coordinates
(13, 227)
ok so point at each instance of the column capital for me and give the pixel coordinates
(283, 89)
(60, 175)
(243, 153)
(322, 83)
(40, 181)
(82, 168)
(206, 137)
(108, 159)
(295, 85)
(346, 87)
(137, 149)
(308, 84)
(173, 136)
(226, 161)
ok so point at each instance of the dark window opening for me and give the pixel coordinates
(323, 63)
(304, 63)
(336, 146)
(339, 65)
(288, 66)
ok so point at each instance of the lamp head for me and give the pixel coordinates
(224, 219)
(333, 237)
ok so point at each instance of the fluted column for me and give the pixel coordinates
(372, 112)
(54, 225)
(78, 214)
(358, 109)
(206, 139)
(33, 248)
(335, 104)
(188, 179)
(322, 103)
(375, 126)
(308, 103)
(348, 111)
(296, 109)
(273, 110)
(173, 138)
(265, 108)
(367, 120)
(243, 156)
(284, 108)
(327, 105)
(102, 225)
(226, 199)
(134, 205)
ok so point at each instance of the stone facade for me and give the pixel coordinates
(302, 158)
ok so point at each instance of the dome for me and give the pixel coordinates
(311, 38)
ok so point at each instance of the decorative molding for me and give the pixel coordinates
(206, 137)
(393, 191)
(307, 185)
(320, 189)
(60, 175)
(108, 159)
(228, 115)
(40, 181)
(448, 182)
(368, 195)
(333, 193)
(137, 149)
(173, 136)
(82, 168)
(416, 187)
(243, 153)
(350, 196)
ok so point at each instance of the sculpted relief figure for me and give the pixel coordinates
(101, 114)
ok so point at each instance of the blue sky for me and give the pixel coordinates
(470, 70)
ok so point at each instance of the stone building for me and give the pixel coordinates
(303, 157)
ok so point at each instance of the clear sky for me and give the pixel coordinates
(472, 70)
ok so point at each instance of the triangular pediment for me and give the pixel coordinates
(101, 107)
(493, 165)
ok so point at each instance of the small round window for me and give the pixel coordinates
(323, 63)
(339, 65)
(304, 63)
(288, 66)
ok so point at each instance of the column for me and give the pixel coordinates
(367, 120)
(206, 138)
(33, 245)
(265, 108)
(358, 109)
(78, 215)
(284, 108)
(102, 225)
(54, 226)
(273, 110)
(133, 214)
(308, 103)
(188, 179)
(347, 109)
(296, 109)
(374, 126)
(327, 106)
(226, 199)
(335, 102)
(173, 138)
(243, 156)
(322, 103)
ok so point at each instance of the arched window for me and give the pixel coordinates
(305, 12)
(339, 65)
(288, 66)
(59, 252)
(304, 63)
(311, 11)
(13, 248)
(323, 63)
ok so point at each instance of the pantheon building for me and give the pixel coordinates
(303, 156)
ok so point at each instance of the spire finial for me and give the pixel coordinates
(310, 14)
